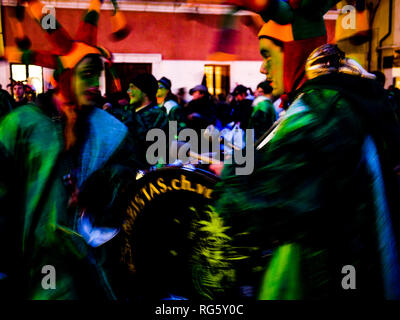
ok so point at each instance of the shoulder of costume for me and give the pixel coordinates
(155, 109)
(102, 119)
(28, 114)
(105, 134)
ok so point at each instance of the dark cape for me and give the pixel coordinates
(319, 199)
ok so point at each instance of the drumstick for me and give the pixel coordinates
(179, 146)
(204, 158)
(230, 145)
(268, 135)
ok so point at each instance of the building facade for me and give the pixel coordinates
(171, 39)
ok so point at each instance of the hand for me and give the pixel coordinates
(217, 168)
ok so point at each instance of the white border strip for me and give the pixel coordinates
(137, 57)
(146, 6)
(152, 6)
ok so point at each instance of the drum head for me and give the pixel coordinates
(158, 234)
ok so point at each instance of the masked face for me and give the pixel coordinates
(161, 92)
(272, 65)
(136, 96)
(85, 81)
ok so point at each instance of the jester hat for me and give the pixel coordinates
(67, 52)
(299, 25)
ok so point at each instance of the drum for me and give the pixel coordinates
(161, 231)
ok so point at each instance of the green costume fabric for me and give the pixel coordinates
(39, 226)
(140, 122)
(122, 113)
(310, 200)
(262, 117)
(177, 114)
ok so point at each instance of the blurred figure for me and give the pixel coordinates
(54, 141)
(66, 166)
(224, 111)
(241, 105)
(263, 115)
(30, 93)
(320, 196)
(394, 95)
(200, 111)
(6, 102)
(145, 113)
(181, 94)
(393, 98)
(165, 98)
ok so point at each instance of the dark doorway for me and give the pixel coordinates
(126, 72)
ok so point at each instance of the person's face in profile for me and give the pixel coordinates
(272, 65)
(162, 91)
(136, 96)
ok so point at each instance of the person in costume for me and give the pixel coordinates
(241, 105)
(318, 201)
(66, 165)
(144, 114)
(165, 98)
(263, 114)
(200, 111)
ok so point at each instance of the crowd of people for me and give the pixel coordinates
(258, 109)
(323, 195)
(149, 103)
(241, 107)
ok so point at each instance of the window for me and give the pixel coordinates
(31, 74)
(397, 82)
(217, 78)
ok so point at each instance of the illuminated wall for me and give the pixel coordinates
(180, 35)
